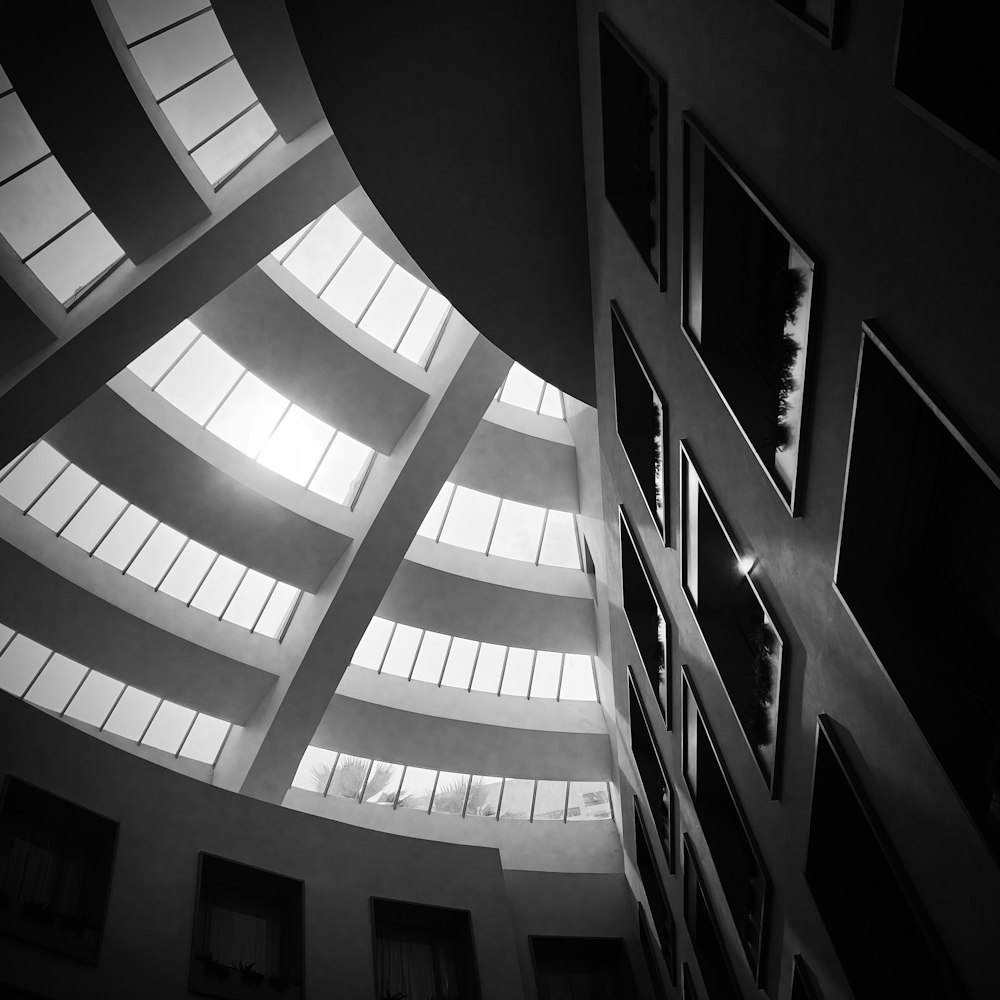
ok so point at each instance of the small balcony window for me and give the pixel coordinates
(823, 19)
(656, 897)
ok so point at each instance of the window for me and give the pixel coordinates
(584, 967)
(748, 289)
(652, 773)
(640, 417)
(650, 956)
(633, 113)
(656, 897)
(802, 985)
(423, 951)
(526, 390)
(945, 72)
(821, 18)
(716, 971)
(919, 547)
(886, 946)
(690, 990)
(247, 929)
(647, 619)
(741, 869)
(739, 630)
(56, 860)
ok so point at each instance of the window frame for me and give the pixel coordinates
(833, 38)
(671, 960)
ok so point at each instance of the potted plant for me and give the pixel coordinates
(248, 974)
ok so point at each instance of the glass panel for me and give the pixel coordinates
(172, 59)
(470, 519)
(10, 465)
(157, 554)
(417, 788)
(234, 144)
(218, 586)
(73, 261)
(248, 415)
(155, 360)
(559, 546)
(279, 251)
(578, 678)
(552, 404)
(449, 796)
(458, 668)
(36, 471)
(37, 205)
(296, 447)
(550, 801)
(545, 682)
(402, 649)
(518, 531)
(383, 783)
(431, 657)
(138, 18)
(692, 496)
(169, 727)
(277, 610)
(20, 663)
(522, 388)
(588, 800)
(134, 710)
(125, 538)
(249, 599)
(516, 801)
(63, 498)
(20, 142)
(6, 634)
(314, 769)
(200, 380)
(200, 109)
(95, 698)
(393, 306)
(322, 251)
(517, 671)
(56, 683)
(205, 739)
(357, 281)
(339, 475)
(489, 666)
(432, 520)
(189, 570)
(484, 796)
(373, 643)
(423, 331)
(94, 518)
(349, 776)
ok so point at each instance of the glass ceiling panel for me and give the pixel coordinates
(588, 800)
(95, 699)
(578, 678)
(423, 330)
(470, 519)
(339, 475)
(189, 570)
(417, 788)
(314, 769)
(56, 683)
(152, 364)
(63, 498)
(280, 252)
(431, 658)
(517, 796)
(402, 649)
(235, 144)
(449, 796)
(20, 663)
(323, 250)
(373, 644)
(20, 142)
(132, 714)
(517, 672)
(249, 414)
(157, 555)
(37, 205)
(249, 599)
(458, 667)
(138, 18)
(358, 279)
(296, 446)
(518, 531)
(123, 541)
(522, 388)
(94, 518)
(169, 727)
(35, 472)
(198, 383)
(198, 110)
(169, 60)
(383, 783)
(550, 801)
(205, 739)
(559, 546)
(349, 776)
(432, 519)
(552, 403)
(545, 681)
(218, 586)
(484, 796)
(395, 303)
(489, 667)
(277, 610)
(67, 266)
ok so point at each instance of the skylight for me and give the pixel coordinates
(401, 786)
(42, 215)
(199, 378)
(344, 268)
(46, 485)
(526, 390)
(389, 647)
(49, 680)
(497, 527)
(182, 52)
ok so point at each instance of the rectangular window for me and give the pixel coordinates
(568, 967)
(247, 930)
(746, 646)
(821, 18)
(656, 897)
(647, 618)
(802, 986)
(649, 954)
(713, 961)
(917, 568)
(748, 288)
(640, 416)
(885, 945)
(633, 113)
(56, 860)
(741, 869)
(652, 772)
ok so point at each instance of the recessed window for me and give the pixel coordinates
(706, 937)
(566, 968)
(649, 954)
(886, 946)
(748, 288)
(56, 860)
(633, 111)
(802, 984)
(640, 416)
(656, 897)
(652, 774)
(821, 18)
(917, 567)
(944, 71)
(247, 931)
(739, 630)
(647, 619)
(741, 869)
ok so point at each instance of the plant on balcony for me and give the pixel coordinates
(764, 645)
(787, 352)
(214, 968)
(247, 972)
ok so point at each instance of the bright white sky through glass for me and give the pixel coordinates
(526, 390)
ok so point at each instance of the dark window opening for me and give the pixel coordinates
(802, 985)
(649, 954)
(820, 17)
(580, 967)
(652, 773)
(633, 106)
(656, 897)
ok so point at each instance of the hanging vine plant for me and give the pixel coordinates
(764, 645)
(787, 351)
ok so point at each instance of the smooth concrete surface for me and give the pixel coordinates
(125, 451)
(516, 418)
(472, 155)
(24, 332)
